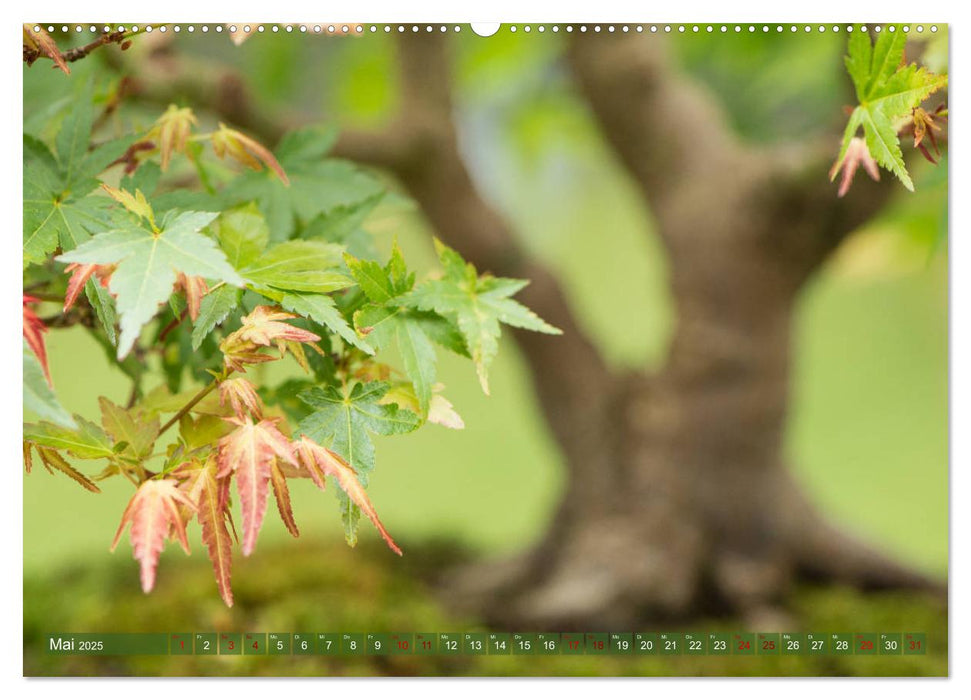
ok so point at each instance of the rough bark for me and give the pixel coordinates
(678, 500)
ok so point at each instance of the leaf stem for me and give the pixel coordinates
(203, 393)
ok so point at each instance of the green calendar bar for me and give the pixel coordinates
(490, 643)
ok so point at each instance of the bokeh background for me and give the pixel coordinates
(867, 433)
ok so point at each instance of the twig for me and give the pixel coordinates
(203, 393)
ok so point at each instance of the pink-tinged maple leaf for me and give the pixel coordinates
(245, 150)
(261, 328)
(80, 274)
(152, 511)
(321, 463)
(857, 154)
(264, 326)
(208, 492)
(194, 288)
(249, 452)
(281, 493)
(34, 330)
(241, 396)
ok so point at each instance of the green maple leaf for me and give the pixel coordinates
(87, 441)
(386, 320)
(57, 210)
(887, 92)
(301, 266)
(148, 262)
(296, 274)
(477, 305)
(344, 420)
(136, 430)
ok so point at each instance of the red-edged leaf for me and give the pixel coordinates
(212, 514)
(195, 288)
(34, 330)
(241, 396)
(249, 452)
(263, 326)
(321, 463)
(80, 274)
(282, 494)
(152, 511)
(245, 150)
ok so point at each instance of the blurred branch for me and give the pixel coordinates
(31, 54)
(677, 144)
(666, 129)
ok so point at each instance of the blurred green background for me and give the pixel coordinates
(867, 431)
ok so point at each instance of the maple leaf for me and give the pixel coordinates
(857, 154)
(321, 463)
(148, 264)
(80, 274)
(210, 495)
(282, 495)
(152, 511)
(241, 396)
(195, 289)
(245, 150)
(386, 318)
(887, 89)
(344, 419)
(85, 441)
(52, 460)
(249, 452)
(57, 209)
(34, 330)
(477, 305)
(261, 328)
(130, 427)
(214, 308)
